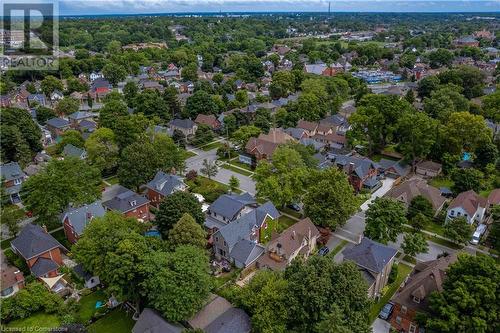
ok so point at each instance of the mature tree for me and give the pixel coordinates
(200, 102)
(120, 239)
(471, 79)
(114, 73)
(444, 101)
(486, 153)
(71, 137)
(174, 206)
(417, 135)
(176, 284)
(170, 95)
(469, 300)
(151, 104)
(334, 322)
(10, 216)
(494, 235)
(384, 220)
(414, 243)
(234, 183)
(187, 232)
(330, 200)
(491, 105)
(458, 230)
(306, 153)
(422, 205)
(61, 182)
(130, 129)
(111, 112)
(209, 169)
(283, 179)
(43, 114)
(427, 85)
(263, 119)
(49, 84)
(464, 131)
(190, 72)
(243, 133)
(130, 92)
(102, 149)
(67, 106)
(310, 107)
(204, 134)
(282, 85)
(440, 58)
(466, 179)
(419, 221)
(74, 84)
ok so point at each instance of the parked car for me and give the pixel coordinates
(294, 206)
(477, 234)
(323, 251)
(386, 311)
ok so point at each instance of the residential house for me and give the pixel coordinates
(56, 95)
(5, 101)
(426, 278)
(333, 140)
(74, 220)
(121, 199)
(41, 251)
(89, 281)
(297, 240)
(321, 69)
(12, 178)
(101, 88)
(209, 120)
(296, 133)
(374, 260)
(36, 99)
(220, 316)
(12, 278)
(468, 204)
(337, 122)
(428, 169)
(186, 126)
(77, 117)
(308, 127)
(394, 169)
(152, 85)
(238, 241)
(263, 147)
(57, 126)
(227, 208)
(409, 190)
(361, 172)
(494, 198)
(163, 185)
(96, 75)
(151, 321)
(467, 41)
(72, 151)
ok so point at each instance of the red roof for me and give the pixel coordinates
(494, 197)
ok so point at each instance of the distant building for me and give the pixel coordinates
(12, 178)
(120, 199)
(469, 41)
(75, 220)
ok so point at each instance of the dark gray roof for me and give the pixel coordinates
(80, 271)
(361, 165)
(125, 200)
(10, 171)
(81, 216)
(70, 150)
(233, 320)
(58, 122)
(33, 240)
(165, 183)
(43, 266)
(78, 115)
(229, 205)
(400, 168)
(246, 251)
(182, 123)
(335, 119)
(370, 255)
(150, 321)
(296, 133)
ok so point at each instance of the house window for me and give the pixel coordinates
(17, 181)
(225, 244)
(458, 214)
(416, 299)
(133, 203)
(452, 213)
(217, 239)
(398, 319)
(403, 309)
(413, 328)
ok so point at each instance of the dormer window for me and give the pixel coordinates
(17, 181)
(133, 203)
(416, 299)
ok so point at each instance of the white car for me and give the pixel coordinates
(476, 237)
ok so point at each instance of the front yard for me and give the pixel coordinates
(212, 145)
(209, 188)
(403, 272)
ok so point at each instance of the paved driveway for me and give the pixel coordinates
(381, 326)
(247, 184)
(386, 186)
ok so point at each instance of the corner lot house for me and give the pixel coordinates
(374, 261)
(407, 191)
(12, 177)
(469, 205)
(427, 277)
(163, 185)
(297, 240)
(75, 220)
(127, 202)
(41, 251)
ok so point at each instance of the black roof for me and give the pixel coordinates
(150, 321)
(125, 200)
(233, 320)
(33, 241)
(370, 255)
(43, 266)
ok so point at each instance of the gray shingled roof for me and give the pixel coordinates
(246, 251)
(400, 168)
(58, 122)
(10, 171)
(43, 266)
(78, 115)
(229, 205)
(233, 320)
(123, 199)
(182, 123)
(361, 166)
(165, 183)
(81, 216)
(80, 271)
(150, 321)
(33, 240)
(370, 255)
(70, 150)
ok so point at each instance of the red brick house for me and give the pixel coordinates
(411, 299)
(121, 199)
(361, 172)
(208, 120)
(163, 185)
(75, 220)
(41, 251)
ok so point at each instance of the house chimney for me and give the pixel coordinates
(173, 171)
(89, 215)
(44, 227)
(293, 234)
(351, 167)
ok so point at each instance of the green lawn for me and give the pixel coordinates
(188, 154)
(87, 305)
(435, 228)
(338, 248)
(241, 165)
(284, 222)
(237, 170)
(443, 242)
(5, 244)
(209, 188)
(290, 211)
(403, 271)
(112, 180)
(38, 320)
(410, 259)
(441, 182)
(213, 145)
(117, 321)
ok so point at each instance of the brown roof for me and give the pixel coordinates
(209, 120)
(470, 201)
(426, 277)
(267, 143)
(8, 274)
(429, 165)
(307, 125)
(406, 191)
(324, 128)
(494, 197)
(214, 308)
(292, 238)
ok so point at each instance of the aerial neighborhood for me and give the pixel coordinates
(230, 173)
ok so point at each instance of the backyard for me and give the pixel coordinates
(39, 320)
(87, 305)
(117, 321)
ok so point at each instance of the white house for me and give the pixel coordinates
(469, 205)
(94, 76)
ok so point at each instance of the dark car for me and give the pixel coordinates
(386, 311)
(323, 251)
(295, 207)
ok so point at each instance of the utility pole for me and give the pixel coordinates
(329, 8)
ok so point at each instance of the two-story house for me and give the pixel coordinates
(12, 177)
(186, 126)
(361, 172)
(426, 278)
(57, 126)
(374, 261)
(75, 220)
(12, 279)
(121, 199)
(263, 147)
(469, 205)
(226, 209)
(297, 240)
(163, 185)
(407, 191)
(41, 251)
(238, 241)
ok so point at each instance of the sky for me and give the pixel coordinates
(91, 7)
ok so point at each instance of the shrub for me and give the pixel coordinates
(393, 274)
(191, 175)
